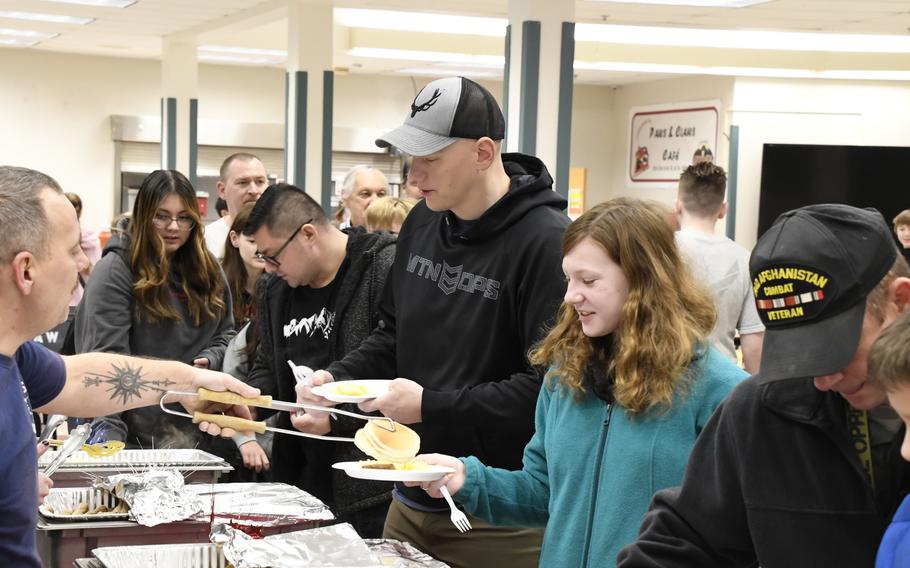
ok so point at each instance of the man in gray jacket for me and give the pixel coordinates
(318, 302)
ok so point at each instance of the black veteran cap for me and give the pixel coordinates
(811, 273)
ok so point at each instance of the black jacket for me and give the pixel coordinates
(461, 312)
(773, 480)
(304, 462)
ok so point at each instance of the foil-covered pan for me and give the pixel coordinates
(258, 504)
(155, 497)
(383, 553)
(137, 459)
(402, 554)
(83, 504)
(162, 555)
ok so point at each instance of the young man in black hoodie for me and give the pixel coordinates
(476, 278)
(318, 302)
(801, 465)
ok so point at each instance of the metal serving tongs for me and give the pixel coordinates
(74, 443)
(263, 401)
(96, 450)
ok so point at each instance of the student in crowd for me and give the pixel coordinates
(242, 270)
(318, 303)
(91, 246)
(629, 364)
(476, 279)
(157, 292)
(799, 465)
(889, 365)
(40, 258)
(241, 179)
(902, 232)
(718, 262)
(362, 186)
(388, 214)
(408, 186)
(221, 207)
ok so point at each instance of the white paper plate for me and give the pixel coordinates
(375, 388)
(354, 469)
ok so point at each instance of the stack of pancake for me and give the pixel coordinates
(387, 447)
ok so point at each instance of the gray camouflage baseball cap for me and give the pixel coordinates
(444, 111)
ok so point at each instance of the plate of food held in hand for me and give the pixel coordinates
(393, 447)
(353, 391)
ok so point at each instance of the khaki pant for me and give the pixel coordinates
(484, 546)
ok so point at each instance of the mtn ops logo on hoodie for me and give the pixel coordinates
(451, 278)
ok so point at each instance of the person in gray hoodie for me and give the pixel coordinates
(318, 303)
(157, 292)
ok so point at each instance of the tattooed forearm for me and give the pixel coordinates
(126, 383)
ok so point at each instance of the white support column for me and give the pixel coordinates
(310, 85)
(179, 85)
(540, 82)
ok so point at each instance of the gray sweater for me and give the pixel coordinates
(106, 321)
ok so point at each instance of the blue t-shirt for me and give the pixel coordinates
(42, 373)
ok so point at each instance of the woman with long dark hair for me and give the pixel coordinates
(157, 292)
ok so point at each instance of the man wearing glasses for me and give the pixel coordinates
(318, 302)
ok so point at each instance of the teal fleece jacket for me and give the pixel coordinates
(590, 469)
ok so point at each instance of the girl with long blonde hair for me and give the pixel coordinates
(631, 381)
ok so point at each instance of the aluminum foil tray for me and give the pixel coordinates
(391, 553)
(161, 556)
(259, 504)
(137, 459)
(60, 500)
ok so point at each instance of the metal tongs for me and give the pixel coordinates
(78, 436)
(263, 401)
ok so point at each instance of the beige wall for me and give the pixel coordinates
(55, 109)
(659, 92)
(861, 113)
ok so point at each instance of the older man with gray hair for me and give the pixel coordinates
(362, 185)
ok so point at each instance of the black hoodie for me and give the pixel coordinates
(461, 313)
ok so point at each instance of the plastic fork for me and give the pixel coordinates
(303, 375)
(459, 519)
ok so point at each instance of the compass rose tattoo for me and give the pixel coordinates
(126, 383)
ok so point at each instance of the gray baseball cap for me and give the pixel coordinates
(444, 111)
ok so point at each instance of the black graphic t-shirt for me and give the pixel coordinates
(308, 325)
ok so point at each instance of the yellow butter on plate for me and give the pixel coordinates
(351, 390)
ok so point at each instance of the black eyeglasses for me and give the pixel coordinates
(163, 221)
(273, 259)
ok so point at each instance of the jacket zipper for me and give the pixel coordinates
(596, 485)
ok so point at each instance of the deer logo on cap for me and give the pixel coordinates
(425, 106)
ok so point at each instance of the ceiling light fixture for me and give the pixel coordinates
(434, 56)
(742, 39)
(243, 50)
(98, 3)
(37, 17)
(420, 22)
(700, 3)
(16, 42)
(216, 58)
(772, 72)
(448, 72)
(28, 33)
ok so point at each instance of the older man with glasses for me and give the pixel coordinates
(318, 302)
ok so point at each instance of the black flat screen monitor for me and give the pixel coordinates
(794, 175)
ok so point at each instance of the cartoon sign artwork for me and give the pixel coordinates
(666, 139)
